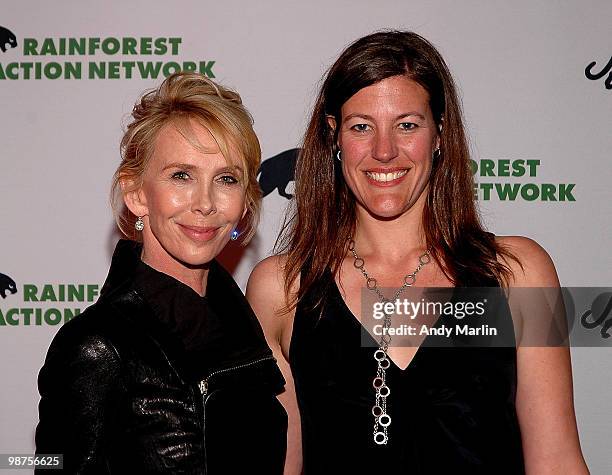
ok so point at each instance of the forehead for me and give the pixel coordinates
(189, 140)
(397, 94)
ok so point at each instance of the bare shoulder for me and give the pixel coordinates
(266, 294)
(270, 269)
(267, 280)
(535, 267)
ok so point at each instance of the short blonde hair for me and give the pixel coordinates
(180, 97)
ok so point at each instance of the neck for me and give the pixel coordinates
(390, 239)
(155, 256)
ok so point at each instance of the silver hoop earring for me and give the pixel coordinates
(338, 156)
(436, 154)
(139, 224)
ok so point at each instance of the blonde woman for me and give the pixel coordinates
(169, 371)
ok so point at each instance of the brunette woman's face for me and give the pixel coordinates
(192, 199)
(387, 137)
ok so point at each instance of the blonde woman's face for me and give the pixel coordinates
(194, 199)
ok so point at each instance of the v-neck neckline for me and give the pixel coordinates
(357, 322)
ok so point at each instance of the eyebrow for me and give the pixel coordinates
(184, 166)
(231, 168)
(191, 167)
(369, 117)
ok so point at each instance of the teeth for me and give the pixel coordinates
(386, 176)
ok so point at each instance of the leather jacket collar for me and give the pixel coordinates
(202, 334)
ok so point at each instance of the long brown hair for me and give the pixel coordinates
(314, 236)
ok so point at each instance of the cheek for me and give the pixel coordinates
(419, 150)
(353, 153)
(165, 201)
(353, 149)
(230, 201)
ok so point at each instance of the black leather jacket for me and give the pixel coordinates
(153, 378)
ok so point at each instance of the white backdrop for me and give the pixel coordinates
(520, 67)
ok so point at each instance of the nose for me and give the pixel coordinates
(203, 200)
(384, 148)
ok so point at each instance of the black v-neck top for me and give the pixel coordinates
(452, 409)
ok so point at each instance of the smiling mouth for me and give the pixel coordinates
(199, 233)
(386, 177)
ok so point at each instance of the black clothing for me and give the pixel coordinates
(452, 409)
(153, 378)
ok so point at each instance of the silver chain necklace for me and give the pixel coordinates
(382, 420)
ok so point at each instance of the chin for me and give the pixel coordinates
(201, 256)
(181, 250)
(193, 256)
(387, 216)
(196, 261)
(387, 209)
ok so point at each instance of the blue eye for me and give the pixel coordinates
(180, 176)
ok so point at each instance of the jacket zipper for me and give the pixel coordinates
(203, 385)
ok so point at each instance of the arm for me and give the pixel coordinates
(78, 385)
(544, 399)
(265, 293)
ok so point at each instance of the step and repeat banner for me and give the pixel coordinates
(535, 80)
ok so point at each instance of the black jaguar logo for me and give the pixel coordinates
(596, 316)
(588, 72)
(7, 38)
(276, 172)
(7, 285)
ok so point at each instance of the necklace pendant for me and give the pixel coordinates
(382, 420)
(380, 438)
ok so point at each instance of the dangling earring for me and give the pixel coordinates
(139, 224)
(436, 154)
(234, 235)
(338, 156)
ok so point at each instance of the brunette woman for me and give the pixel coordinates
(384, 199)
